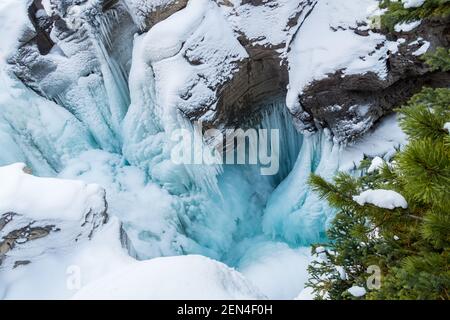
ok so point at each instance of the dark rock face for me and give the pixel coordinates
(258, 79)
(340, 102)
(262, 76)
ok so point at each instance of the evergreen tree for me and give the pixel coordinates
(397, 13)
(409, 246)
(439, 60)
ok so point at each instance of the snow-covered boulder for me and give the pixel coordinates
(184, 277)
(39, 215)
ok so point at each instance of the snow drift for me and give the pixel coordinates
(179, 278)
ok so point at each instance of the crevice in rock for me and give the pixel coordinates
(43, 25)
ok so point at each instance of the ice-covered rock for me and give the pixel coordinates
(80, 63)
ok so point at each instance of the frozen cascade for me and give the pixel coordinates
(208, 207)
(33, 130)
(211, 210)
(101, 79)
(114, 75)
(205, 213)
(294, 213)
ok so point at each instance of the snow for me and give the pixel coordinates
(14, 20)
(423, 49)
(377, 164)
(47, 7)
(357, 291)
(447, 126)
(383, 140)
(386, 199)
(306, 294)
(407, 26)
(287, 268)
(147, 211)
(342, 274)
(267, 25)
(46, 198)
(412, 3)
(185, 277)
(140, 9)
(173, 32)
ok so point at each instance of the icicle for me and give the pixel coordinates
(114, 76)
(276, 116)
(294, 212)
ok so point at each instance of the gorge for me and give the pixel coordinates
(91, 91)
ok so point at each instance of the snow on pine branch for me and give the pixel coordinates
(386, 199)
